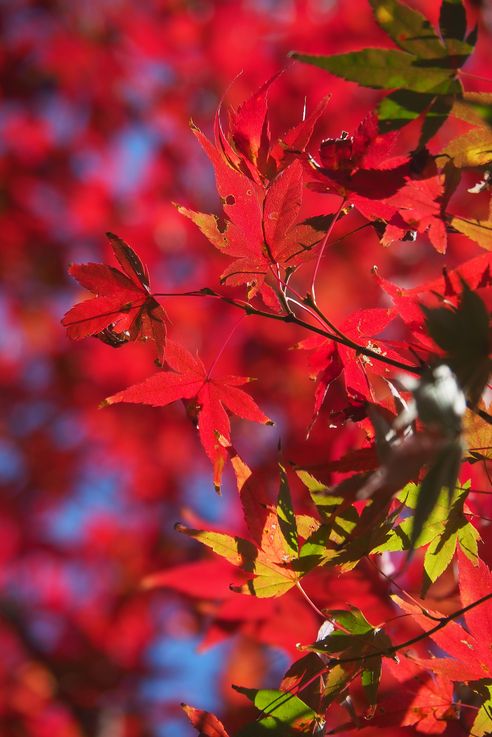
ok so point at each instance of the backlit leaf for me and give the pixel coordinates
(206, 723)
(385, 69)
(285, 714)
(479, 231)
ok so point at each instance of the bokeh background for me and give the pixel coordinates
(95, 103)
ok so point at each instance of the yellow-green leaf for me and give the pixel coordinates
(408, 28)
(479, 231)
(211, 226)
(482, 726)
(478, 435)
(473, 148)
(236, 550)
(386, 69)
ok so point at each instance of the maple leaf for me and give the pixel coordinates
(344, 378)
(463, 332)
(359, 168)
(123, 309)
(470, 649)
(445, 527)
(204, 722)
(261, 189)
(482, 724)
(285, 715)
(188, 379)
(261, 229)
(273, 558)
(418, 699)
(419, 207)
(479, 231)
(446, 289)
(478, 435)
(247, 144)
(347, 635)
(394, 190)
(422, 72)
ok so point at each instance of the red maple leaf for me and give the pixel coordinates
(261, 188)
(123, 309)
(360, 169)
(419, 207)
(445, 289)
(471, 648)
(418, 700)
(344, 378)
(188, 379)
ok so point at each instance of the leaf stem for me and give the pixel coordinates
(323, 246)
(290, 318)
(224, 346)
(310, 601)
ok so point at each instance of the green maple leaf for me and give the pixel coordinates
(284, 714)
(445, 527)
(358, 645)
(422, 72)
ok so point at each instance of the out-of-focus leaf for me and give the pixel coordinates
(442, 473)
(205, 722)
(463, 333)
(452, 20)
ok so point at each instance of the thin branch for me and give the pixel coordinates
(309, 300)
(418, 638)
(290, 318)
(383, 653)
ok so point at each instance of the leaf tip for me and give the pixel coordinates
(180, 527)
